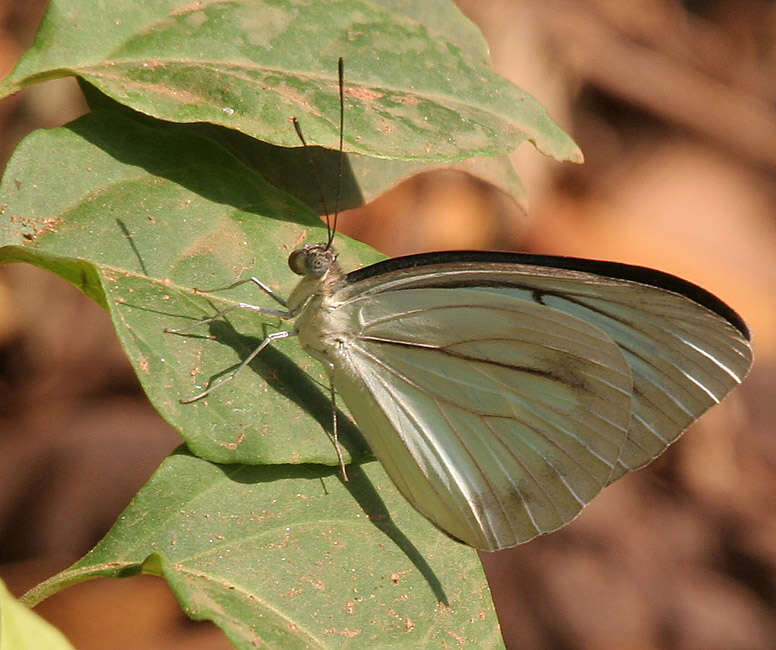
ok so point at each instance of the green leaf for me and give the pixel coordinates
(136, 215)
(287, 168)
(418, 82)
(23, 629)
(290, 557)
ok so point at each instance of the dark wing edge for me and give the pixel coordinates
(605, 269)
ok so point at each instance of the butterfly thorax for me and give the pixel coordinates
(318, 324)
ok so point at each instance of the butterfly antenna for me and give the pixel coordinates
(333, 229)
(331, 223)
(316, 176)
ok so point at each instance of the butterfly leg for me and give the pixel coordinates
(279, 313)
(334, 436)
(255, 281)
(273, 336)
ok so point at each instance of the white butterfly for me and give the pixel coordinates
(503, 391)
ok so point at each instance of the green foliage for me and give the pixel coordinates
(178, 179)
(419, 87)
(290, 556)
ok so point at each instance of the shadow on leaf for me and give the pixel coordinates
(363, 491)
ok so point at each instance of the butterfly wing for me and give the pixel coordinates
(498, 418)
(685, 348)
(683, 357)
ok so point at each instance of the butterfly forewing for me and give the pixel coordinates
(684, 359)
(684, 353)
(498, 418)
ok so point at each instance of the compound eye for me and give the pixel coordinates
(297, 261)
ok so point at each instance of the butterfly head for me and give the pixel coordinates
(313, 260)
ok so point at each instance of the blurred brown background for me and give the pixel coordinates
(674, 106)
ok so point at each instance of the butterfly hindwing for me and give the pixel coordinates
(498, 418)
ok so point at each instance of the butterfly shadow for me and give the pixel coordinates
(284, 376)
(368, 498)
(287, 379)
(363, 492)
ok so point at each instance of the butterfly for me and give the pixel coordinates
(503, 391)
